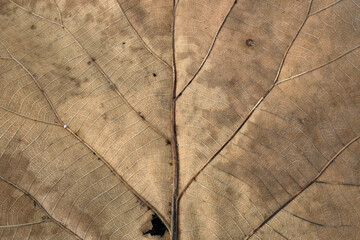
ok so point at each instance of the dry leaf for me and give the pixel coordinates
(159, 119)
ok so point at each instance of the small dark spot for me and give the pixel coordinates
(55, 19)
(171, 164)
(142, 116)
(250, 42)
(93, 59)
(44, 217)
(139, 112)
(99, 159)
(94, 153)
(158, 228)
(302, 121)
(123, 42)
(154, 74)
(19, 139)
(142, 204)
(33, 27)
(112, 86)
(35, 204)
(89, 62)
(34, 75)
(68, 68)
(167, 142)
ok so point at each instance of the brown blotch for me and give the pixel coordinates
(89, 62)
(33, 27)
(68, 68)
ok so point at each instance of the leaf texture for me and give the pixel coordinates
(144, 119)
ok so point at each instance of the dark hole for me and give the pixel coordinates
(35, 204)
(158, 228)
(250, 42)
(89, 62)
(167, 142)
(94, 153)
(154, 74)
(123, 42)
(99, 159)
(93, 59)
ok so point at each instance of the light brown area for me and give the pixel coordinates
(257, 103)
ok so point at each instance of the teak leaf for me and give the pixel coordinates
(179, 119)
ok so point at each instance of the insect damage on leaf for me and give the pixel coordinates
(158, 227)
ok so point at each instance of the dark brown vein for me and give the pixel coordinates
(339, 183)
(209, 51)
(41, 207)
(315, 223)
(279, 233)
(316, 68)
(304, 219)
(253, 109)
(174, 145)
(115, 88)
(113, 170)
(98, 67)
(305, 187)
(86, 144)
(141, 39)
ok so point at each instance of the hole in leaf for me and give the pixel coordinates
(158, 228)
(250, 42)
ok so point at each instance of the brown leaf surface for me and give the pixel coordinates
(144, 119)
